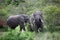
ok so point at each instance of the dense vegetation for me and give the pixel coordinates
(51, 12)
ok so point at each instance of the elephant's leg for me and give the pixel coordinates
(30, 29)
(35, 28)
(22, 26)
(41, 28)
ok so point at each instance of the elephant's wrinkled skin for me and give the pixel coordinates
(37, 21)
(15, 20)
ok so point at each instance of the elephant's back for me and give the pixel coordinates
(12, 20)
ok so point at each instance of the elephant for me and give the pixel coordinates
(37, 22)
(14, 20)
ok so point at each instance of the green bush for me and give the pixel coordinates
(51, 17)
(56, 1)
(16, 35)
(3, 12)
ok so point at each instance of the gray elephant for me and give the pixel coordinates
(15, 20)
(37, 21)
